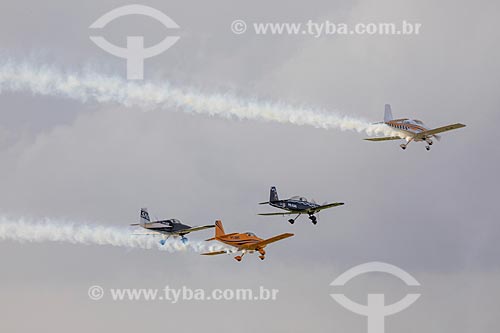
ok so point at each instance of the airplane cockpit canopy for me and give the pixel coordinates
(250, 234)
(413, 121)
(299, 198)
(176, 221)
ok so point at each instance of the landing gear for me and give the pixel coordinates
(404, 145)
(429, 143)
(164, 240)
(238, 258)
(262, 254)
(292, 221)
(313, 219)
(184, 240)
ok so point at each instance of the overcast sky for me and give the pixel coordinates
(431, 213)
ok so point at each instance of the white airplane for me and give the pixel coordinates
(411, 130)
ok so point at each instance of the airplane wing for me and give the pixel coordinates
(283, 213)
(384, 138)
(439, 130)
(203, 227)
(273, 239)
(213, 253)
(147, 234)
(330, 205)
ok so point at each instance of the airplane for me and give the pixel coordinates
(296, 205)
(168, 228)
(411, 130)
(245, 242)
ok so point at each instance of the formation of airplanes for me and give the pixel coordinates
(412, 130)
(247, 242)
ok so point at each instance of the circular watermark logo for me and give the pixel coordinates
(238, 27)
(96, 293)
(135, 52)
(376, 310)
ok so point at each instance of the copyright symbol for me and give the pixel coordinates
(238, 27)
(96, 293)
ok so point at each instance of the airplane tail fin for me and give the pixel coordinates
(273, 195)
(144, 219)
(388, 113)
(219, 229)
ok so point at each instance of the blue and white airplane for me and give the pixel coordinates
(166, 228)
(296, 205)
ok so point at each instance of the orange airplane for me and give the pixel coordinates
(244, 242)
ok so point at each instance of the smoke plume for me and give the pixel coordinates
(91, 86)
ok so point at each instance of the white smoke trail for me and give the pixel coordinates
(91, 86)
(85, 234)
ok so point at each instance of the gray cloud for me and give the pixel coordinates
(431, 213)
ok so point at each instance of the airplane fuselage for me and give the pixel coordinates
(244, 241)
(409, 128)
(168, 227)
(294, 205)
